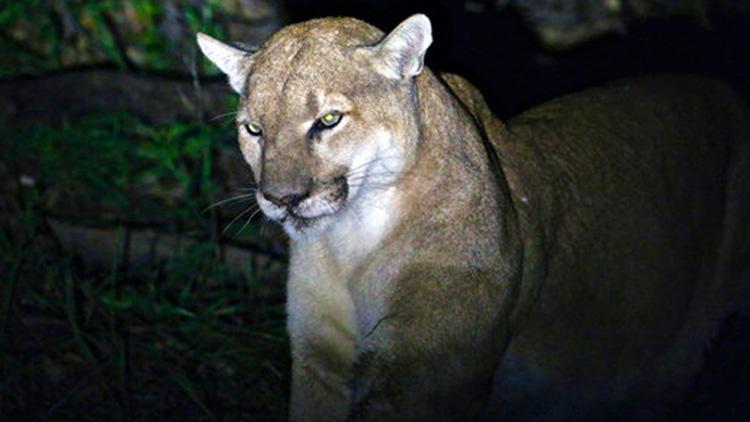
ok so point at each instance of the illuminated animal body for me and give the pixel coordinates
(575, 260)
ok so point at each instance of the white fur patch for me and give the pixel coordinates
(372, 205)
(363, 226)
(270, 210)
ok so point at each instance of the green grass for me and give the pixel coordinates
(183, 340)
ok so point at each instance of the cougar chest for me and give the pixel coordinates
(361, 229)
(321, 317)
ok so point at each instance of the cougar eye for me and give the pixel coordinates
(328, 120)
(253, 129)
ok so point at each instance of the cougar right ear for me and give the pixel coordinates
(234, 62)
(400, 55)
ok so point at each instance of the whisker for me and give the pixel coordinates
(386, 173)
(370, 176)
(223, 232)
(249, 219)
(375, 180)
(375, 186)
(372, 180)
(362, 167)
(222, 115)
(240, 198)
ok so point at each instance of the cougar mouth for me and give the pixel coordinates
(299, 224)
(314, 212)
(327, 199)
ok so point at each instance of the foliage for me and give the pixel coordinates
(40, 35)
(115, 163)
(186, 341)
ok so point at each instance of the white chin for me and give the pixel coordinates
(307, 229)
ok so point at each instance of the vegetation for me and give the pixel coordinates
(42, 35)
(87, 332)
(183, 339)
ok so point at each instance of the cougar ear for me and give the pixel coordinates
(400, 55)
(231, 60)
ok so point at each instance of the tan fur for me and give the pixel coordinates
(589, 270)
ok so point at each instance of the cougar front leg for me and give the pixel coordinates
(432, 357)
(318, 393)
(322, 334)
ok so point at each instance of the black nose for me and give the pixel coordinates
(287, 195)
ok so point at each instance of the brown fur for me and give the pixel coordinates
(586, 250)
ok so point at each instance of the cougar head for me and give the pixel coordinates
(328, 114)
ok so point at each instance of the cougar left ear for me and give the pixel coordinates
(231, 60)
(400, 55)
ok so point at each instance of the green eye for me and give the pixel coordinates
(253, 129)
(329, 120)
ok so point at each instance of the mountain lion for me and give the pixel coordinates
(574, 261)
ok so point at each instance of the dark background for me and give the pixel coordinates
(498, 52)
(131, 290)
